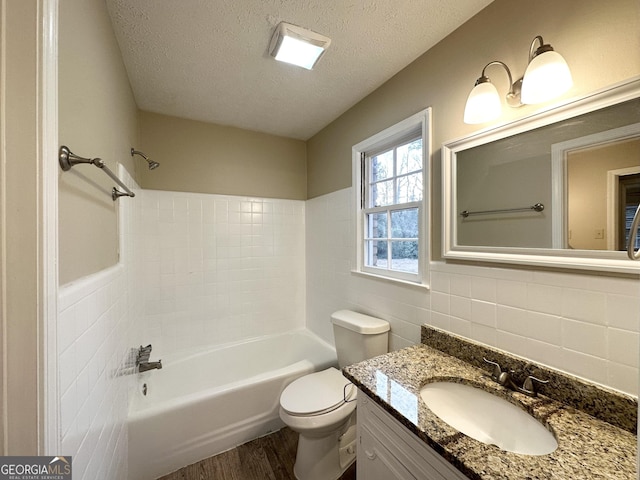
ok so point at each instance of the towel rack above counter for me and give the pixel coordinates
(68, 159)
(538, 207)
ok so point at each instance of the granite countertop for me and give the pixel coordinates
(588, 447)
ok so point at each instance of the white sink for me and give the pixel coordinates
(488, 418)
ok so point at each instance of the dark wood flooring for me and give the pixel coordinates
(267, 458)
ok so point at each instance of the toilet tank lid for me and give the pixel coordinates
(359, 322)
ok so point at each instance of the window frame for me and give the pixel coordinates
(416, 126)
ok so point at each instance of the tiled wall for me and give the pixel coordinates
(218, 269)
(586, 325)
(583, 324)
(93, 324)
(92, 342)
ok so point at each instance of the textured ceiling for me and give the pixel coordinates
(208, 60)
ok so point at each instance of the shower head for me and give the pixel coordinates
(152, 163)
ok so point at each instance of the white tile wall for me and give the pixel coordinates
(217, 269)
(584, 324)
(93, 404)
(94, 319)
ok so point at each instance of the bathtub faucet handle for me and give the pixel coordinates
(143, 354)
(142, 359)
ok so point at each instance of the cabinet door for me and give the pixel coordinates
(397, 449)
(375, 462)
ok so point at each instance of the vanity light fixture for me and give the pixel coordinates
(547, 76)
(297, 45)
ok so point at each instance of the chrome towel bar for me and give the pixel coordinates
(68, 159)
(538, 207)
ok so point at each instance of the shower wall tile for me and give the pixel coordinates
(583, 324)
(93, 405)
(223, 268)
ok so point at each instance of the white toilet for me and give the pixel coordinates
(321, 406)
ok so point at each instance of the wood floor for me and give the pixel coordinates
(267, 458)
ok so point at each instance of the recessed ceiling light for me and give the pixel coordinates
(297, 45)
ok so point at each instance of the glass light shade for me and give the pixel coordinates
(483, 104)
(298, 52)
(547, 77)
(297, 45)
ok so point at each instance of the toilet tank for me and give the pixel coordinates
(358, 337)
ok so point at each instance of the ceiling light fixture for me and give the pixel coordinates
(547, 76)
(297, 45)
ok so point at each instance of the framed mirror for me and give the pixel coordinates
(558, 188)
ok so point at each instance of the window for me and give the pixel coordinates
(390, 171)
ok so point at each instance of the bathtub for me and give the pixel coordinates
(202, 404)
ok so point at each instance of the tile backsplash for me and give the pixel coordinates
(586, 325)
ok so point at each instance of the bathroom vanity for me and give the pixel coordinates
(400, 437)
(387, 450)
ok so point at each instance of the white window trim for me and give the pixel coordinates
(420, 120)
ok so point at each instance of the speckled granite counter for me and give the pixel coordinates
(588, 447)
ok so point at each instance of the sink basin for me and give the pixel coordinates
(488, 418)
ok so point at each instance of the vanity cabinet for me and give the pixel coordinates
(387, 450)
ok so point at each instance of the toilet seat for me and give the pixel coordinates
(317, 393)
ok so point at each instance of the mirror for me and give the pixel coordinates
(558, 188)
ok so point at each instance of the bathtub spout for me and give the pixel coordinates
(142, 359)
(146, 366)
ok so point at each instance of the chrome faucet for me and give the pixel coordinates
(506, 380)
(142, 359)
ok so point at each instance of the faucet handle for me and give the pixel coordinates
(143, 353)
(497, 370)
(529, 386)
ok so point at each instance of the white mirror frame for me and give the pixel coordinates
(599, 260)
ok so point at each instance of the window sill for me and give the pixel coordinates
(397, 281)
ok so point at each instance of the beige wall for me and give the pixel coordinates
(598, 39)
(98, 118)
(207, 158)
(587, 191)
(19, 233)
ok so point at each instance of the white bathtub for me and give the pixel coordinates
(203, 404)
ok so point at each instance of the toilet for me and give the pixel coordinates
(321, 406)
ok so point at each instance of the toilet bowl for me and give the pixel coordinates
(321, 406)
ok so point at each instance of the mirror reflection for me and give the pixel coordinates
(574, 184)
